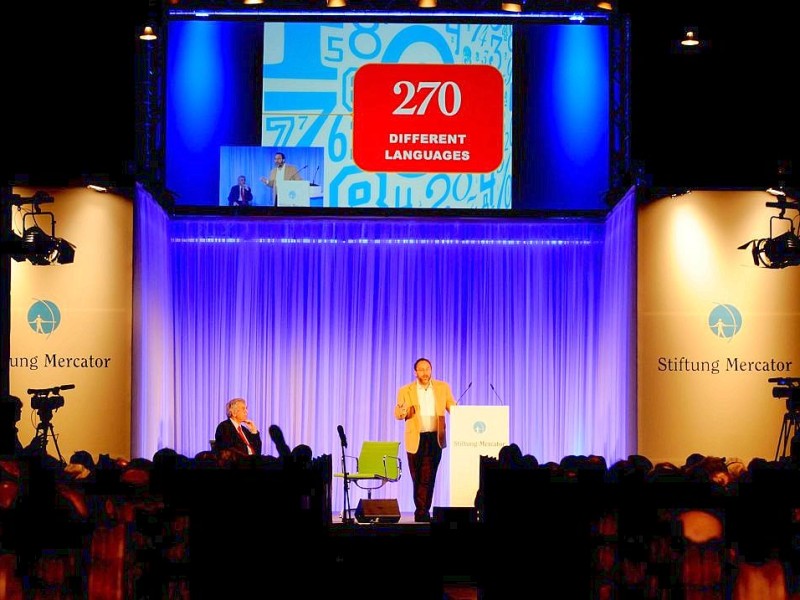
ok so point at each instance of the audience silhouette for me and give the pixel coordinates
(732, 533)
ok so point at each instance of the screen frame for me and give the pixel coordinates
(425, 16)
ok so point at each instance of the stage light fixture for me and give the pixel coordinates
(336, 3)
(426, 3)
(35, 245)
(63, 253)
(605, 6)
(777, 251)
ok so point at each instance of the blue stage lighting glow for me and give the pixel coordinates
(196, 84)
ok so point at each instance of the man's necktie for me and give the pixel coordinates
(241, 195)
(244, 438)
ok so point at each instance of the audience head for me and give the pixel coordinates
(552, 468)
(641, 464)
(137, 472)
(82, 457)
(708, 469)
(735, 468)
(693, 459)
(80, 466)
(665, 471)
(302, 455)
(596, 461)
(167, 458)
(205, 459)
(227, 456)
(510, 456)
(10, 408)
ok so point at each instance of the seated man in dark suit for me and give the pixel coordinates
(237, 432)
(240, 194)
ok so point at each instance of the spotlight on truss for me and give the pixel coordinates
(35, 244)
(782, 250)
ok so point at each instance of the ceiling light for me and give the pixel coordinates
(776, 191)
(336, 3)
(426, 3)
(690, 38)
(605, 6)
(512, 6)
(148, 35)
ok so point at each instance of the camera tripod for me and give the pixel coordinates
(45, 429)
(789, 436)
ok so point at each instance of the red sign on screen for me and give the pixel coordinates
(420, 118)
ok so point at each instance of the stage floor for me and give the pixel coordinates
(442, 514)
(381, 543)
(406, 518)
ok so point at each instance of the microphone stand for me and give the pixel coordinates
(496, 395)
(347, 513)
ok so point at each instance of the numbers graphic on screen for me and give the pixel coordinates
(417, 98)
(337, 140)
(461, 189)
(316, 107)
(281, 127)
(309, 70)
(365, 42)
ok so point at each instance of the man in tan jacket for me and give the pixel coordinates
(282, 171)
(422, 404)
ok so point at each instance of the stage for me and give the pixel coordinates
(448, 550)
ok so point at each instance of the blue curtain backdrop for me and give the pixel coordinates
(317, 322)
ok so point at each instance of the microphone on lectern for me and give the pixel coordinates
(496, 394)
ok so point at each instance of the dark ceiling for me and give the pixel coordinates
(721, 118)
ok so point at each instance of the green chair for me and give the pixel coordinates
(376, 465)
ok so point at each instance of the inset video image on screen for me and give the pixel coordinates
(271, 176)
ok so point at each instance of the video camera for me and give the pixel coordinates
(789, 388)
(48, 399)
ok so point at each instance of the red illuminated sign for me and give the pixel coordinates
(420, 118)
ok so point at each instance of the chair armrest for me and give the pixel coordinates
(399, 467)
(350, 458)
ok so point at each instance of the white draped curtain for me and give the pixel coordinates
(317, 321)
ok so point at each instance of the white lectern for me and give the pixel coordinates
(475, 431)
(315, 196)
(293, 193)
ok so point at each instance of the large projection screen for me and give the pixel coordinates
(380, 115)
